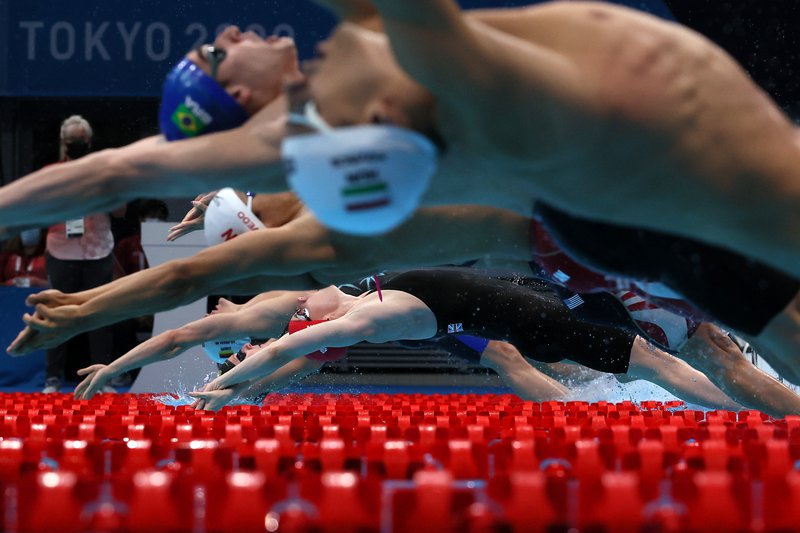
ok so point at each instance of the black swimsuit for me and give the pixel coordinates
(529, 314)
(741, 293)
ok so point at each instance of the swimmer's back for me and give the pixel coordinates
(652, 110)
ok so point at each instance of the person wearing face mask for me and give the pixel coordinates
(79, 255)
(24, 261)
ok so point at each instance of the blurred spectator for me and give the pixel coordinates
(23, 261)
(79, 257)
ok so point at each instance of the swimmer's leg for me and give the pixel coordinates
(526, 382)
(567, 372)
(779, 342)
(656, 366)
(715, 354)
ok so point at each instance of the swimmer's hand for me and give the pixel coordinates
(46, 328)
(194, 219)
(25, 342)
(210, 399)
(54, 298)
(96, 377)
(30, 339)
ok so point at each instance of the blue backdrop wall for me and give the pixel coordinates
(125, 47)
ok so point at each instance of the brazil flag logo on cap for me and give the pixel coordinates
(186, 121)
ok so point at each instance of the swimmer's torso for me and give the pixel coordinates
(651, 110)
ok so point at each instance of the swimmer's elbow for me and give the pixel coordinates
(119, 170)
(170, 344)
(180, 278)
(92, 180)
(279, 355)
(182, 339)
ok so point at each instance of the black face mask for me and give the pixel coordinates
(77, 149)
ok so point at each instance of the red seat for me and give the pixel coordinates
(152, 506)
(51, 505)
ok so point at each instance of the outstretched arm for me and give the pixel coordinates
(278, 253)
(247, 157)
(285, 251)
(162, 347)
(266, 319)
(249, 263)
(434, 236)
(433, 43)
(341, 332)
(398, 316)
(455, 53)
(214, 400)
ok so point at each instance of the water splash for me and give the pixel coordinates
(607, 388)
(180, 395)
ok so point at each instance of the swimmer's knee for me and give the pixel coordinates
(499, 353)
(720, 340)
(711, 351)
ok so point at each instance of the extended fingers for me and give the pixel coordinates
(34, 321)
(40, 319)
(19, 346)
(89, 369)
(184, 228)
(178, 231)
(40, 297)
(200, 399)
(81, 389)
(86, 389)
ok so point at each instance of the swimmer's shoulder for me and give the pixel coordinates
(398, 315)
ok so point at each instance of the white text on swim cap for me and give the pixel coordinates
(198, 111)
(354, 159)
(246, 221)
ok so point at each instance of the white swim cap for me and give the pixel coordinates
(220, 351)
(363, 180)
(227, 216)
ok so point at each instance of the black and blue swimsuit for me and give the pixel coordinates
(531, 314)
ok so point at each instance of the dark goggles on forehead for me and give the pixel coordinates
(214, 55)
(302, 314)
